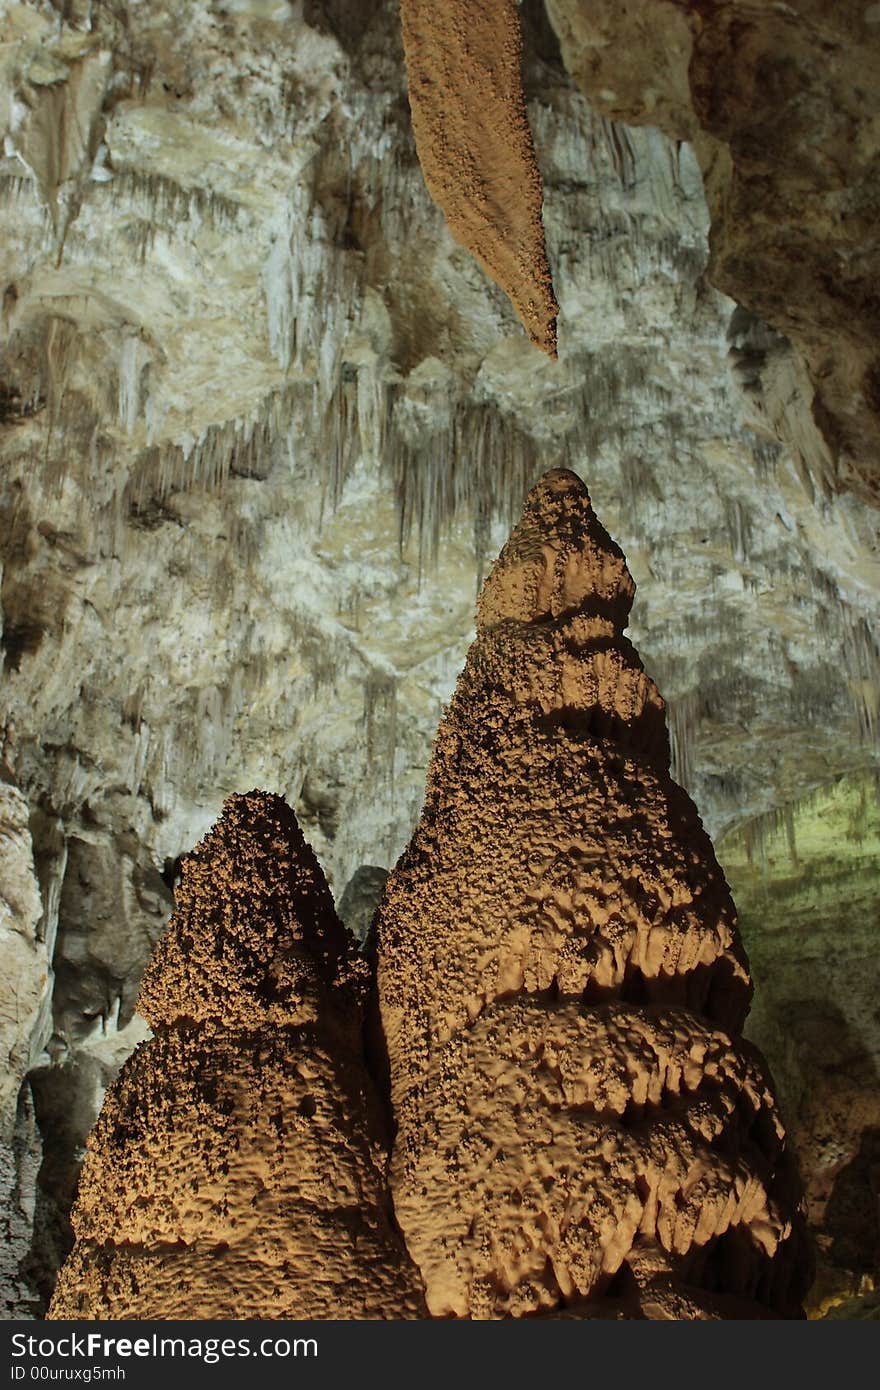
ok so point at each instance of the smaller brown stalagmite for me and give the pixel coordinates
(238, 1166)
(561, 984)
(468, 111)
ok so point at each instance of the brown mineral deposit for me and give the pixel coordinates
(475, 147)
(581, 1132)
(238, 1166)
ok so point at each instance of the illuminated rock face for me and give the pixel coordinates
(475, 147)
(580, 1130)
(238, 1166)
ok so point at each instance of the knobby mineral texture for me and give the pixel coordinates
(580, 1130)
(238, 1166)
(475, 147)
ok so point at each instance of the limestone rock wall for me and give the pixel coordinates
(815, 862)
(238, 1167)
(25, 952)
(781, 105)
(561, 982)
(25, 994)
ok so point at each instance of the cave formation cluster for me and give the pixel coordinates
(266, 412)
(579, 1130)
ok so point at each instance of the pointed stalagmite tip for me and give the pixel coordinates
(559, 559)
(254, 927)
(559, 483)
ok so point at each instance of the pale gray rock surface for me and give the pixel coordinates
(24, 1025)
(359, 901)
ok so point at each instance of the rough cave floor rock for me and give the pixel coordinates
(580, 1129)
(238, 1166)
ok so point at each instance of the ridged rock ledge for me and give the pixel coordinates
(580, 1129)
(238, 1166)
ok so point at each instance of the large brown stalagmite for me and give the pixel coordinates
(475, 147)
(238, 1166)
(580, 1131)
